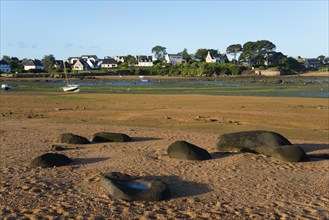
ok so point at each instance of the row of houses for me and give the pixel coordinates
(89, 62)
(92, 62)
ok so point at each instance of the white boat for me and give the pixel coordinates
(5, 86)
(70, 87)
(143, 80)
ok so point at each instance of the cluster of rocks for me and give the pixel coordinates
(131, 188)
(263, 142)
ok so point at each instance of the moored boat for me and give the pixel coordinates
(70, 87)
(5, 86)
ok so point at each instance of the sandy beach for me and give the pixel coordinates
(228, 186)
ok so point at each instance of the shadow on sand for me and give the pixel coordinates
(180, 188)
(217, 155)
(308, 148)
(313, 147)
(78, 161)
(138, 139)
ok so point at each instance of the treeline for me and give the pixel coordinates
(193, 69)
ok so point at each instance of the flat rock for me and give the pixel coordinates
(187, 151)
(50, 160)
(131, 188)
(110, 137)
(263, 142)
(70, 138)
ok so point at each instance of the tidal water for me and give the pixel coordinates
(276, 87)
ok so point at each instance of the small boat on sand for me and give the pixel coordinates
(70, 87)
(5, 86)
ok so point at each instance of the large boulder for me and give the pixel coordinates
(264, 142)
(187, 151)
(290, 153)
(50, 160)
(131, 188)
(70, 138)
(110, 137)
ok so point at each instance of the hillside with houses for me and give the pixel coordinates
(202, 62)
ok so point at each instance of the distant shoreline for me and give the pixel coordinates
(320, 74)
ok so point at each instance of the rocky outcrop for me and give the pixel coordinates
(264, 142)
(187, 151)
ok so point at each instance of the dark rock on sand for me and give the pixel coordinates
(291, 153)
(110, 137)
(70, 138)
(187, 151)
(264, 142)
(57, 148)
(130, 188)
(50, 160)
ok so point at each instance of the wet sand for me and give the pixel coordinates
(229, 186)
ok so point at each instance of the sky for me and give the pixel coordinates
(33, 29)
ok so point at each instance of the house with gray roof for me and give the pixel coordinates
(72, 60)
(174, 59)
(144, 60)
(58, 64)
(81, 64)
(33, 64)
(216, 58)
(109, 62)
(312, 63)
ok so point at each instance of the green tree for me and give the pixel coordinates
(14, 62)
(201, 54)
(322, 58)
(48, 61)
(185, 55)
(6, 58)
(255, 53)
(234, 49)
(292, 65)
(159, 52)
(131, 60)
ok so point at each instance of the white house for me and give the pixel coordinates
(144, 60)
(72, 60)
(33, 64)
(92, 60)
(174, 59)
(81, 65)
(58, 64)
(214, 58)
(4, 67)
(108, 62)
(120, 58)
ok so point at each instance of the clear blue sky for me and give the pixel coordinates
(33, 29)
